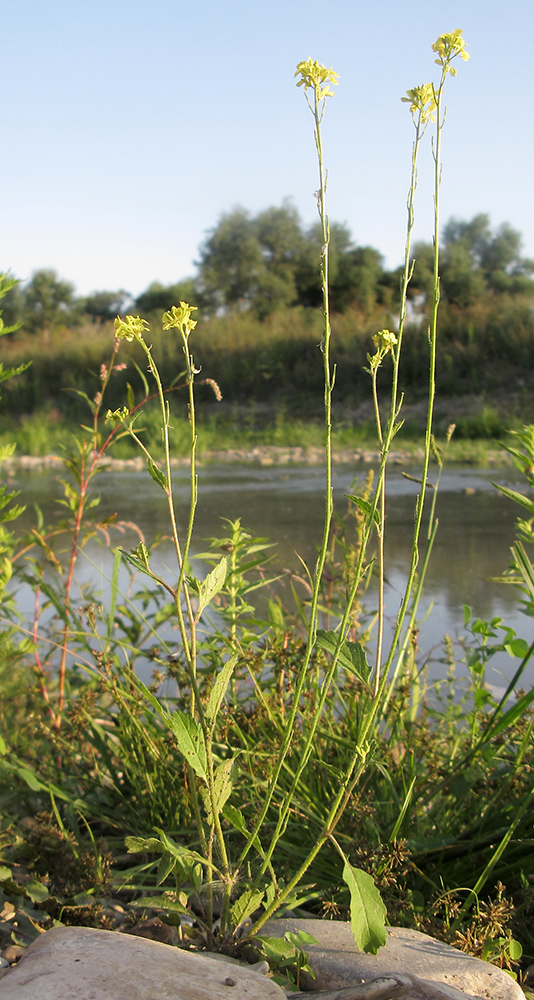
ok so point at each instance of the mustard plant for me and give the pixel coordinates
(246, 892)
(211, 776)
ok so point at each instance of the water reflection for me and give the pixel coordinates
(476, 528)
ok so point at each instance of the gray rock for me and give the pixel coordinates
(82, 963)
(437, 971)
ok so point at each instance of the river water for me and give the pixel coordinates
(476, 529)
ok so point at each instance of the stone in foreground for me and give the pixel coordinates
(82, 963)
(437, 971)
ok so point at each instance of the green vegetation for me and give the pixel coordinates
(279, 762)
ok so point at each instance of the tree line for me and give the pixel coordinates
(264, 263)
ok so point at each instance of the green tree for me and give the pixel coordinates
(104, 306)
(231, 261)
(47, 302)
(308, 273)
(359, 280)
(474, 262)
(158, 297)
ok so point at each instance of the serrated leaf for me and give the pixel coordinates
(222, 788)
(351, 655)
(219, 688)
(212, 585)
(247, 903)
(367, 911)
(139, 559)
(364, 506)
(157, 474)
(190, 741)
(277, 949)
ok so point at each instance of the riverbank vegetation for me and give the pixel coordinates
(269, 378)
(298, 760)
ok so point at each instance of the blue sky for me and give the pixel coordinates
(129, 126)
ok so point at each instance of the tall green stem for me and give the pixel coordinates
(317, 109)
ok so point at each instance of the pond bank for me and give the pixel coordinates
(263, 455)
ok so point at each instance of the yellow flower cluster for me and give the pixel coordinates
(448, 47)
(384, 341)
(423, 100)
(131, 328)
(179, 318)
(313, 74)
(117, 416)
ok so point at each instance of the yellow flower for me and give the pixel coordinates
(179, 317)
(423, 100)
(384, 341)
(131, 328)
(449, 46)
(315, 75)
(116, 416)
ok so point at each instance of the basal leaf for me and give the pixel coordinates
(247, 903)
(162, 902)
(367, 911)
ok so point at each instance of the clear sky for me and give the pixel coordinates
(129, 126)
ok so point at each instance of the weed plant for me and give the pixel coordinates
(282, 769)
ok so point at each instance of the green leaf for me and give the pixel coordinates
(137, 844)
(367, 911)
(130, 399)
(300, 938)
(222, 788)
(278, 950)
(276, 615)
(31, 780)
(190, 742)
(161, 902)
(518, 497)
(248, 902)
(351, 655)
(5, 873)
(36, 891)
(467, 614)
(139, 558)
(212, 585)
(157, 474)
(166, 865)
(3, 747)
(365, 507)
(518, 647)
(220, 685)
(515, 950)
